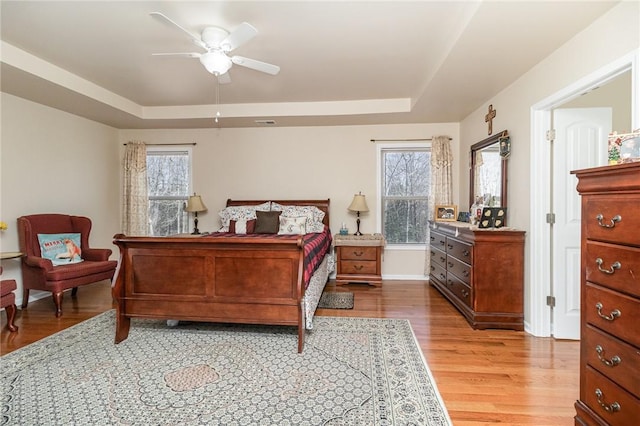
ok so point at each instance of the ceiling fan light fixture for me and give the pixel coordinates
(216, 62)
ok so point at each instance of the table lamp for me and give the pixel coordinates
(359, 204)
(195, 205)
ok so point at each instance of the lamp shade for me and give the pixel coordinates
(359, 204)
(195, 204)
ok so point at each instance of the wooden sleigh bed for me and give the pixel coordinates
(253, 279)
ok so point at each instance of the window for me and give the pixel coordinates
(405, 181)
(169, 180)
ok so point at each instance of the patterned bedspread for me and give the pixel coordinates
(315, 247)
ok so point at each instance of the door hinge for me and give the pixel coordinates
(551, 135)
(551, 301)
(551, 218)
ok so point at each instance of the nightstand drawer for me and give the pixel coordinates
(358, 253)
(358, 267)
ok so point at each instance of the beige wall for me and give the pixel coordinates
(296, 162)
(608, 39)
(54, 162)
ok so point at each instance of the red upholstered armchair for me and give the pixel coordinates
(39, 273)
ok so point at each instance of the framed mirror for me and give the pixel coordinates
(488, 170)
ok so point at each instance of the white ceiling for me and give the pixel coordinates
(342, 62)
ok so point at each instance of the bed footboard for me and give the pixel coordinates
(209, 279)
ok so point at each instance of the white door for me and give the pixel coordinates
(580, 142)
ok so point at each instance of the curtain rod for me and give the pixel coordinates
(167, 144)
(403, 140)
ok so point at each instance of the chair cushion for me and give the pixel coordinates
(78, 270)
(7, 300)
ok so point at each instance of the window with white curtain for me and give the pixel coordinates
(169, 179)
(405, 176)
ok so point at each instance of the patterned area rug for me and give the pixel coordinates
(336, 300)
(354, 371)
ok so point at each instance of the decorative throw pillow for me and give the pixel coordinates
(60, 249)
(242, 226)
(267, 222)
(292, 225)
(240, 213)
(313, 214)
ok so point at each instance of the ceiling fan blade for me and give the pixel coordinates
(224, 78)
(194, 37)
(238, 37)
(184, 55)
(256, 65)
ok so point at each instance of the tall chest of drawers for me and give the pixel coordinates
(610, 296)
(481, 272)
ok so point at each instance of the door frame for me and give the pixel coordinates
(539, 323)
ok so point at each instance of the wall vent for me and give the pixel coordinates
(266, 122)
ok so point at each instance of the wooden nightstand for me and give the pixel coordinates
(359, 258)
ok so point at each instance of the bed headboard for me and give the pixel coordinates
(321, 204)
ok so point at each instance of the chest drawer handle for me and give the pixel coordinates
(616, 218)
(450, 246)
(610, 408)
(608, 362)
(358, 253)
(612, 268)
(612, 316)
(358, 267)
(466, 253)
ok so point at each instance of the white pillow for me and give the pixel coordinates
(292, 225)
(243, 213)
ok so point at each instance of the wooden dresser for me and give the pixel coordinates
(610, 296)
(481, 272)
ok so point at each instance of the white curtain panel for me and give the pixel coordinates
(135, 208)
(441, 183)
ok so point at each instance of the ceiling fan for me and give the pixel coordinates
(217, 42)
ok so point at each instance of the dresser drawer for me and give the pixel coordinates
(438, 241)
(438, 257)
(613, 266)
(615, 405)
(460, 289)
(358, 267)
(438, 272)
(358, 253)
(613, 358)
(625, 231)
(623, 312)
(459, 250)
(460, 269)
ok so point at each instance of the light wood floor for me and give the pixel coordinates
(484, 377)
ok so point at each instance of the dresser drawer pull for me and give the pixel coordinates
(611, 408)
(358, 253)
(442, 259)
(443, 276)
(616, 218)
(608, 362)
(612, 316)
(358, 267)
(466, 253)
(450, 246)
(450, 264)
(465, 294)
(465, 273)
(612, 268)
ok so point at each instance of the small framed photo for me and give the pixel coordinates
(446, 213)
(493, 217)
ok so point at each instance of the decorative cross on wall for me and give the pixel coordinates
(489, 118)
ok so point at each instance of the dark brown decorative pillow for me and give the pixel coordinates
(267, 222)
(235, 226)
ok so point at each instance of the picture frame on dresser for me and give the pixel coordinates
(446, 213)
